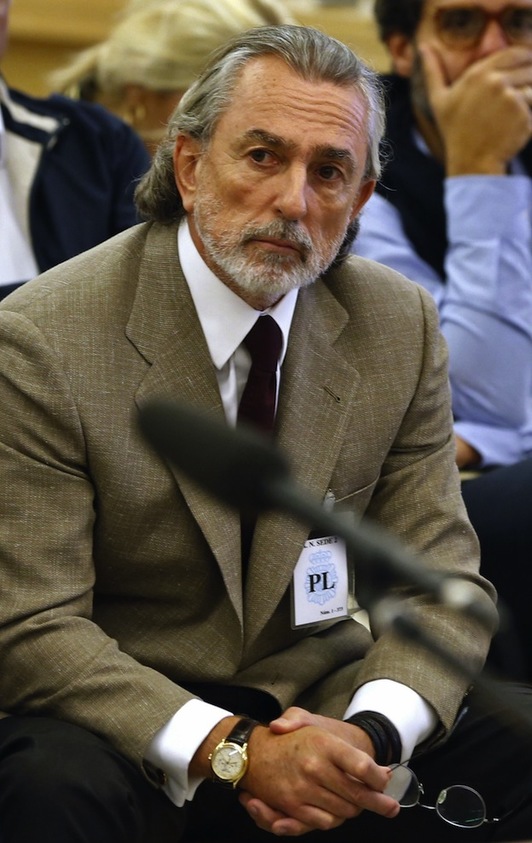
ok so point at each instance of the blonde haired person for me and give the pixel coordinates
(155, 51)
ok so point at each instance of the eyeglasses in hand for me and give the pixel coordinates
(458, 804)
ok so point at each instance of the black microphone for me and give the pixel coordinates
(246, 470)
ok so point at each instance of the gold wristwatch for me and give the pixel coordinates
(229, 759)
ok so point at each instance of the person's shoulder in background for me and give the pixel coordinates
(88, 123)
(84, 183)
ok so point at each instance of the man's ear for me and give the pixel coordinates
(402, 51)
(366, 192)
(187, 154)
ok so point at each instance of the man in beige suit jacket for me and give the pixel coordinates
(131, 645)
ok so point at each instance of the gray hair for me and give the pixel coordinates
(312, 54)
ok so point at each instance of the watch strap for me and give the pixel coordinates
(241, 732)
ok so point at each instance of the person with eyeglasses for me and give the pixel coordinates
(453, 212)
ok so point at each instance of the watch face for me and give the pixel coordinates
(228, 762)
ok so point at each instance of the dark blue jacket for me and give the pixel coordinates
(83, 188)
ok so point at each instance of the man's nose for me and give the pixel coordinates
(292, 197)
(493, 39)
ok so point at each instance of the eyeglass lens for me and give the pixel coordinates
(403, 786)
(458, 805)
(462, 27)
(461, 806)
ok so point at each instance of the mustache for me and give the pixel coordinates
(280, 230)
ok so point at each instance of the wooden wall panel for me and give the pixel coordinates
(44, 33)
(72, 21)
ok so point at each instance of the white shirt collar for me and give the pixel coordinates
(225, 318)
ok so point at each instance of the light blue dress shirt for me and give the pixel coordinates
(485, 304)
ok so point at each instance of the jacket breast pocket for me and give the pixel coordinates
(355, 502)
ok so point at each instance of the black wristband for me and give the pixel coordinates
(383, 735)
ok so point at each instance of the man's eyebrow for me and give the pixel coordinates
(263, 136)
(325, 152)
(334, 153)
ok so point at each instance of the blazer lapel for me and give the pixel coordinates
(164, 327)
(318, 388)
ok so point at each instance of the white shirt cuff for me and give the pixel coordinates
(411, 715)
(173, 747)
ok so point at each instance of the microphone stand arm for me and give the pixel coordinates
(381, 560)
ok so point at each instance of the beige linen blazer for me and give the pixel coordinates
(120, 579)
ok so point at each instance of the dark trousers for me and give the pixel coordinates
(499, 505)
(62, 784)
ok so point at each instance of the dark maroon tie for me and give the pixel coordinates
(257, 405)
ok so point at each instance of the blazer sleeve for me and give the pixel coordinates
(55, 659)
(418, 499)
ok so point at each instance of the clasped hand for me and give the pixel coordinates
(309, 772)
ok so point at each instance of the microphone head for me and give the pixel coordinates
(238, 466)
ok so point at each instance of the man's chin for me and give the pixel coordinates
(265, 274)
(269, 283)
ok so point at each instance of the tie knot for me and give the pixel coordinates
(264, 342)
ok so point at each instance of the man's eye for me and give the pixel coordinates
(260, 156)
(328, 172)
(459, 18)
(460, 21)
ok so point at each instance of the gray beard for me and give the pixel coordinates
(269, 273)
